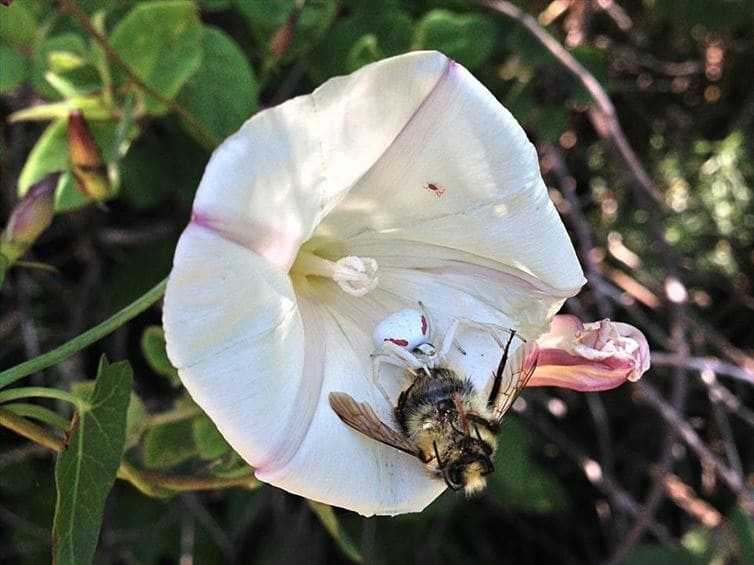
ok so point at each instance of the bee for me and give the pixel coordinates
(442, 419)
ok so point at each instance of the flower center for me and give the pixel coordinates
(355, 275)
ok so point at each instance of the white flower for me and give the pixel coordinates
(404, 181)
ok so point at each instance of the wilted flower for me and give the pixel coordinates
(590, 357)
(89, 170)
(404, 181)
(31, 216)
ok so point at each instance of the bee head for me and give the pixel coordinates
(468, 471)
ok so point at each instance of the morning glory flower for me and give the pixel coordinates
(406, 181)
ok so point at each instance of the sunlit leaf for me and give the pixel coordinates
(222, 94)
(66, 42)
(161, 42)
(85, 470)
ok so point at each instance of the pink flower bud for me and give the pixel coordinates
(30, 218)
(590, 357)
(88, 168)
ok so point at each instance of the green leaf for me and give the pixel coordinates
(467, 38)
(662, 555)
(153, 348)
(366, 50)
(222, 94)
(161, 42)
(68, 197)
(391, 26)
(15, 69)
(165, 161)
(215, 5)
(266, 17)
(519, 482)
(168, 445)
(18, 26)
(68, 42)
(330, 521)
(3, 268)
(210, 444)
(85, 470)
(743, 529)
(136, 414)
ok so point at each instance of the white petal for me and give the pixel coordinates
(268, 185)
(495, 204)
(261, 360)
(234, 332)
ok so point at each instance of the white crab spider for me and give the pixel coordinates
(404, 339)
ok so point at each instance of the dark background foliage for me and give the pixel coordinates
(659, 472)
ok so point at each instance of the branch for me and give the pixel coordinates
(703, 364)
(150, 483)
(732, 479)
(607, 122)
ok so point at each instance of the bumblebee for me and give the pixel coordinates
(441, 418)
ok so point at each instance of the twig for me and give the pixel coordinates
(661, 359)
(72, 7)
(734, 481)
(609, 123)
(657, 490)
(605, 482)
(150, 483)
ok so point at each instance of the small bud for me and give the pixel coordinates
(281, 41)
(88, 169)
(30, 218)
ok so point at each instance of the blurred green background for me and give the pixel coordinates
(584, 478)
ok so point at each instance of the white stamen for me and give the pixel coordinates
(356, 275)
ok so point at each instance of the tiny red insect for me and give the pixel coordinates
(434, 189)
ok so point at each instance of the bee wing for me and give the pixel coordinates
(516, 374)
(361, 417)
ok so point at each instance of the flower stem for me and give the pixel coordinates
(85, 339)
(40, 392)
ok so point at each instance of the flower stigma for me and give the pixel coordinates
(355, 275)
